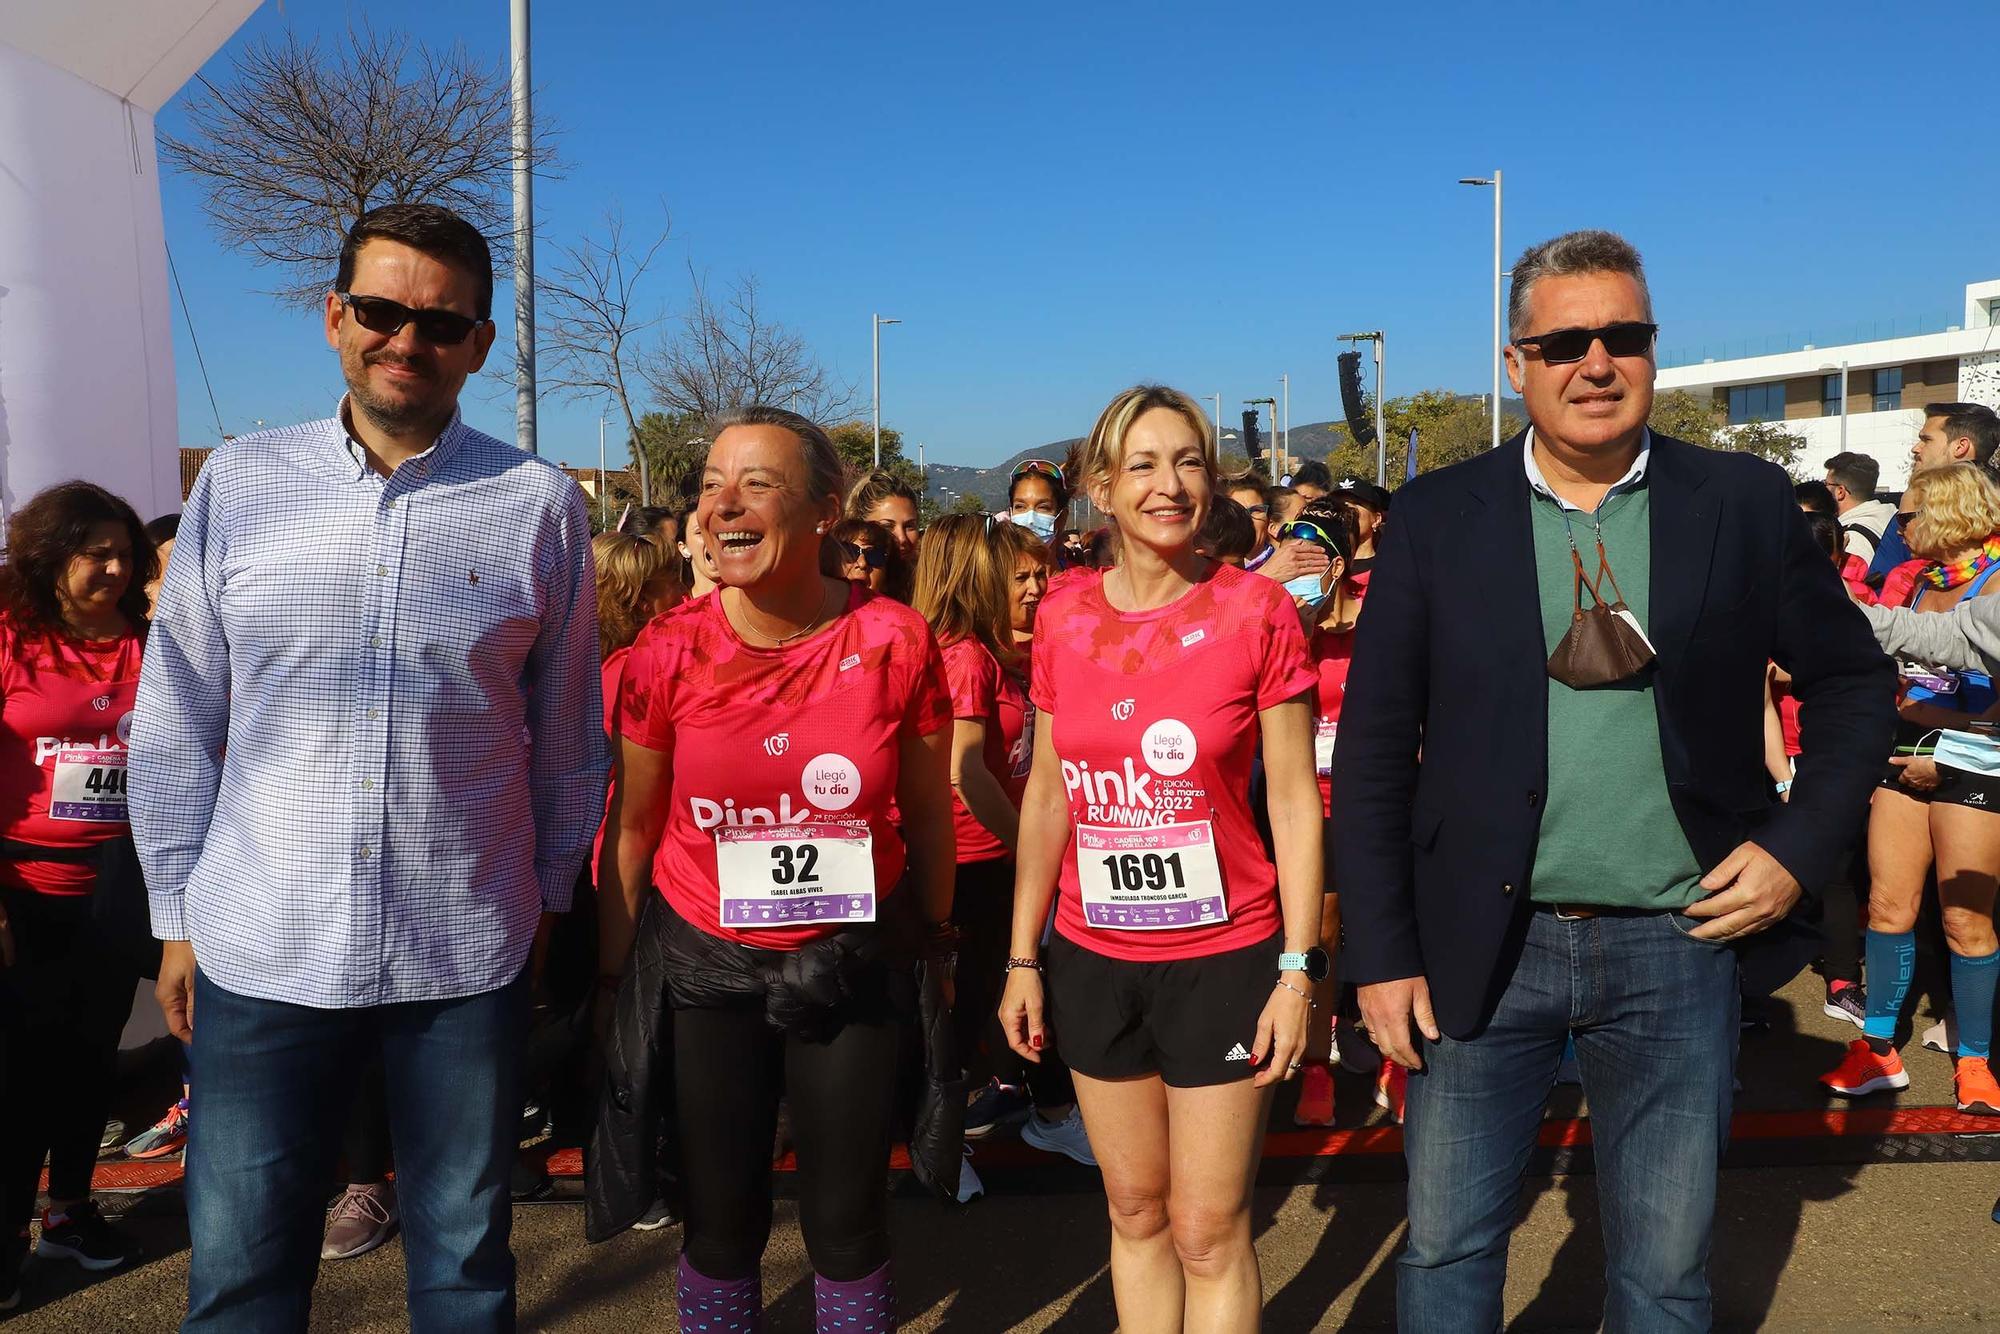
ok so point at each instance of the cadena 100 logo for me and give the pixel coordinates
(1122, 710)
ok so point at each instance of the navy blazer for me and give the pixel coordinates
(1432, 856)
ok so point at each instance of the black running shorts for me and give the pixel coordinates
(1956, 787)
(1190, 1021)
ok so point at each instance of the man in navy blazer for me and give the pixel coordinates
(1550, 822)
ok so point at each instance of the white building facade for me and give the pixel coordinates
(1887, 384)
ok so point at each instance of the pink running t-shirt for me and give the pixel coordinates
(1332, 655)
(979, 691)
(1155, 723)
(805, 734)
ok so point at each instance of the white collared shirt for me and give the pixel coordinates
(1634, 477)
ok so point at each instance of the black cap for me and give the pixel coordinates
(1363, 492)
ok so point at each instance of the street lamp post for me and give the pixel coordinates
(524, 229)
(1285, 388)
(1218, 425)
(603, 496)
(1493, 181)
(877, 335)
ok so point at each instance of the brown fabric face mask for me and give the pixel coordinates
(1603, 646)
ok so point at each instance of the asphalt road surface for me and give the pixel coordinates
(1813, 1233)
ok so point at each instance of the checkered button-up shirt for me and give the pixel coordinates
(369, 746)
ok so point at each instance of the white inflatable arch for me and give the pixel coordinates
(86, 348)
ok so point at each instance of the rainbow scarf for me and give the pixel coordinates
(1953, 574)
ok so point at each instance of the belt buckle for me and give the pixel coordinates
(1564, 916)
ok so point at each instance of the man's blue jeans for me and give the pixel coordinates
(272, 1086)
(1654, 1013)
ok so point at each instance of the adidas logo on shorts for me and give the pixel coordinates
(1237, 1053)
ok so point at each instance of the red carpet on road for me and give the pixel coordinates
(1568, 1132)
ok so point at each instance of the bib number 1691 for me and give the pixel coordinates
(1136, 872)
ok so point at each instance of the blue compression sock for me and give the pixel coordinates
(1972, 988)
(1891, 958)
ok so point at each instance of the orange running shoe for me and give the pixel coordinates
(1315, 1096)
(1862, 1071)
(1392, 1089)
(1977, 1092)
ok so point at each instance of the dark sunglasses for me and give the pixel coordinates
(1306, 529)
(378, 314)
(876, 558)
(1256, 509)
(1036, 468)
(1562, 346)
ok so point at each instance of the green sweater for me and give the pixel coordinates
(1609, 834)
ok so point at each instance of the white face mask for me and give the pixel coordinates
(1040, 524)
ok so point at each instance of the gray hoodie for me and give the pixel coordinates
(1966, 638)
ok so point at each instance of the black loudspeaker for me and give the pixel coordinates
(1360, 424)
(1252, 442)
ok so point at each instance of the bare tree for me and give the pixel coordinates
(302, 141)
(588, 329)
(725, 354)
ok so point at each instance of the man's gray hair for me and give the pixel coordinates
(1571, 253)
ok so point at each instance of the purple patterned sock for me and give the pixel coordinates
(716, 1306)
(865, 1305)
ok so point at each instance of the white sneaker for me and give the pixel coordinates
(1067, 1136)
(1943, 1035)
(970, 1187)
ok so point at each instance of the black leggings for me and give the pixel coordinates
(983, 906)
(63, 1005)
(728, 1068)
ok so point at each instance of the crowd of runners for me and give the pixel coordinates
(779, 817)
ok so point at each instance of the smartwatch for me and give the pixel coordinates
(1313, 963)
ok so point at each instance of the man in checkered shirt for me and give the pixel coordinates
(367, 764)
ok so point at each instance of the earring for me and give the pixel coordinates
(820, 529)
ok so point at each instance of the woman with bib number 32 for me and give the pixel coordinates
(771, 731)
(1179, 977)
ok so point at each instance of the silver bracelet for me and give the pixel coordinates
(1310, 1002)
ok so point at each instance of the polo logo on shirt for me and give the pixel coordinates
(851, 660)
(1193, 637)
(1122, 710)
(778, 745)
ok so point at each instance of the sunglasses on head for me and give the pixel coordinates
(875, 558)
(1306, 529)
(378, 314)
(1562, 346)
(1036, 468)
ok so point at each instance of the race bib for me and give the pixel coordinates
(1164, 878)
(795, 875)
(1323, 746)
(89, 786)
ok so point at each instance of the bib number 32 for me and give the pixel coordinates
(795, 875)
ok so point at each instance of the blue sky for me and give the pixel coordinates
(1061, 199)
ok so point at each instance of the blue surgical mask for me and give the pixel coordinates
(1040, 524)
(1306, 587)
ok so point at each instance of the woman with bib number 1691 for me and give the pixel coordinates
(1179, 976)
(769, 734)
